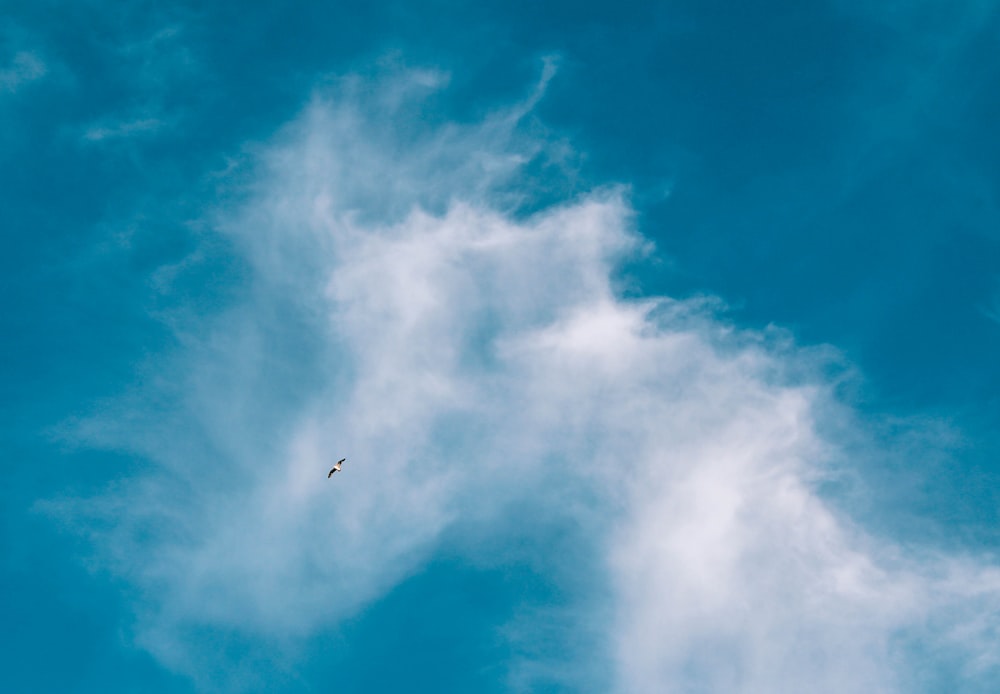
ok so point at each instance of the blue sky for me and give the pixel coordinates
(660, 338)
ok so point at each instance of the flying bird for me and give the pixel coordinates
(336, 468)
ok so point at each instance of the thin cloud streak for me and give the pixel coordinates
(122, 129)
(468, 360)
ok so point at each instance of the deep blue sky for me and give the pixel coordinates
(829, 168)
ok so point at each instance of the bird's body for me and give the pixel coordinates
(336, 468)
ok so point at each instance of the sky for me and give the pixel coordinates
(660, 338)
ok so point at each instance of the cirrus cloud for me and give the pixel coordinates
(479, 366)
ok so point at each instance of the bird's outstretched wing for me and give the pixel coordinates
(330, 474)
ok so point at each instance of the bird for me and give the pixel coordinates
(336, 468)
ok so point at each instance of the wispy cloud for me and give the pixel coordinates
(122, 129)
(468, 361)
(24, 67)
(992, 308)
(154, 56)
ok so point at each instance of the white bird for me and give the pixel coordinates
(336, 468)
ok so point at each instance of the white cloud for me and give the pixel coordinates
(151, 54)
(122, 129)
(468, 360)
(23, 67)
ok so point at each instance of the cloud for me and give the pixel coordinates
(24, 67)
(152, 56)
(992, 309)
(128, 128)
(478, 366)
(122, 129)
